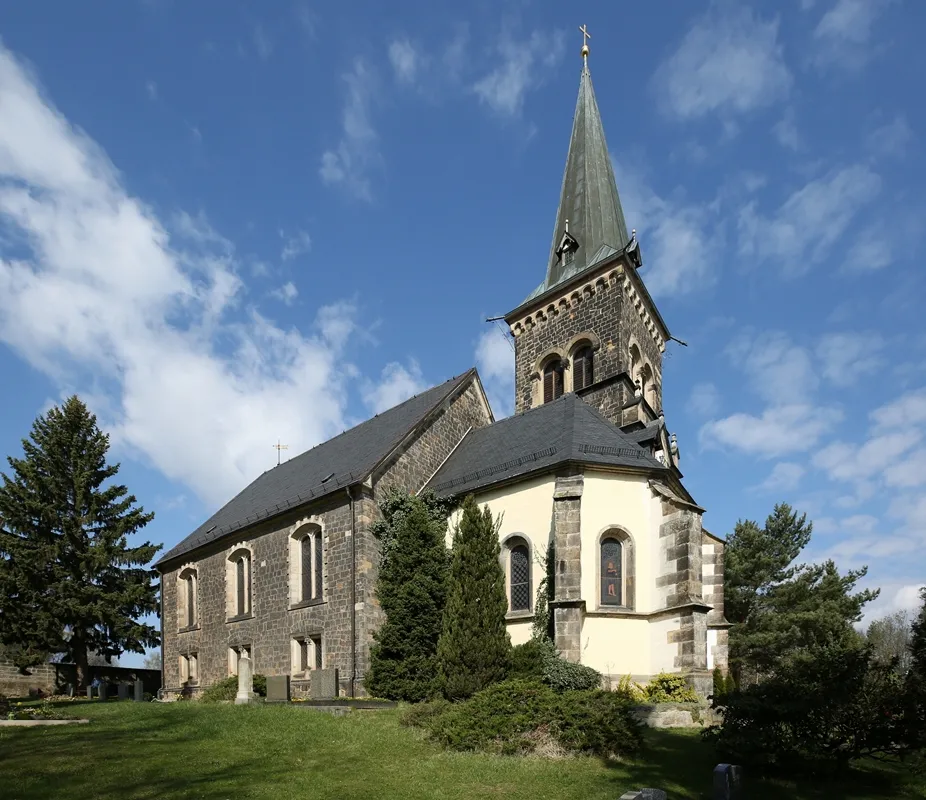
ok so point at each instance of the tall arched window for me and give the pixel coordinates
(635, 361)
(306, 565)
(583, 373)
(552, 381)
(242, 568)
(519, 576)
(188, 596)
(238, 581)
(612, 572)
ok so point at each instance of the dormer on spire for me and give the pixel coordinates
(567, 247)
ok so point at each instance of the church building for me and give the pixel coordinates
(585, 469)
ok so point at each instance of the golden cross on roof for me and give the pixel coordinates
(279, 448)
(585, 37)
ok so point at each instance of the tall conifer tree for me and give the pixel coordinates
(70, 583)
(474, 647)
(411, 590)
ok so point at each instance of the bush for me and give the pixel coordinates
(225, 690)
(719, 685)
(669, 688)
(539, 659)
(525, 716)
(528, 659)
(631, 690)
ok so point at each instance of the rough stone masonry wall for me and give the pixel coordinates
(633, 329)
(567, 536)
(712, 579)
(574, 313)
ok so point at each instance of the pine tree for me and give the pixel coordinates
(411, 589)
(916, 684)
(69, 580)
(474, 647)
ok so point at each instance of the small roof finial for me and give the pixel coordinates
(585, 37)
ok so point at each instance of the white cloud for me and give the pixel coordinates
(106, 295)
(775, 365)
(287, 293)
(779, 430)
(729, 62)
(847, 357)
(803, 230)
(907, 410)
(704, 400)
(843, 34)
(152, 90)
(852, 462)
(785, 131)
(522, 66)
(404, 59)
(295, 245)
(784, 477)
(895, 596)
(495, 362)
(396, 385)
(262, 42)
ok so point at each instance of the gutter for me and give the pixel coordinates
(353, 597)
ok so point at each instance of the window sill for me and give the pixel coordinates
(617, 610)
(307, 604)
(240, 618)
(188, 628)
(517, 615)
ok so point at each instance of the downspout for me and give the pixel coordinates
(353, 598)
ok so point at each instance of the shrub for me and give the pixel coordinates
(539, 659)
(669, 688)
(225, 690)
(628, 688)
(729, 684)
(420, 715)
(528, 659)
(719, 686)
(525, 716)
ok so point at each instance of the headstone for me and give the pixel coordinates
(103, 690)
(324, 684)
(728, 782)
(644, 794)
(139, 692)
(70, 690)
(245, 682)
(278, 688)
(122, 690)
(89, 692)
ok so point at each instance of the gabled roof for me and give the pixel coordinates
(588, 197)
(345, 460)
(566, 430)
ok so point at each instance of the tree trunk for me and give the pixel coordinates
(83, 669)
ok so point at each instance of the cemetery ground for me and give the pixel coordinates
(193, 750)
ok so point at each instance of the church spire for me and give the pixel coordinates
(589, 222)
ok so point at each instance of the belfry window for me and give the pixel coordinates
(583, 373)
(552, 381)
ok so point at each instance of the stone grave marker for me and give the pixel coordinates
(139, 692)
(122, 690)
(728, 782)
(103, 690)
(89, 692)
(278, 688)
(644, 794)
(245, 682)
(324, 684)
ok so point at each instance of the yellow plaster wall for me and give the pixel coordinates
(616, 646)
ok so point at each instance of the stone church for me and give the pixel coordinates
(286, 570)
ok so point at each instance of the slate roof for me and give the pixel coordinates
(342, 461)
(567, 429)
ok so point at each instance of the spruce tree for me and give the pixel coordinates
(474, 647)
(411, 589)
(70, 583)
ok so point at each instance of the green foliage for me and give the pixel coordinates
(563, 676)
(915, 684)
(630, 689)
(473, 648)
(669, 688)
(542, 626)
(889, 638)
(778, 608)
(396, 505)
(719, 684)
(824, 708)
(226, 690)
(523, 716)
(729, 684)
(70, 583)
(411, 589)
(527, 660)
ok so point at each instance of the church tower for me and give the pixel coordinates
(591, 327)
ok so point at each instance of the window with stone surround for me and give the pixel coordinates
(189, 668)
(187, 598)
(306, 565)
(616, 569)
(583, 373)
(306, 654)
(235, 653)
(552, 381)
(519, 575)
(238, 583)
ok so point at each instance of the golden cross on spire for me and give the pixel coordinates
(585, 37)
(279, 448)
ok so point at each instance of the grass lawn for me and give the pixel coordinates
(191, 750)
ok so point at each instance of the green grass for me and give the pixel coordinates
(191, 750)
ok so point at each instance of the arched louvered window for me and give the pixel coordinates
(611, 572)
(583, 373)
(242, 576)
(307, 572)
(519, 577)
(188, 596)
(552, 381)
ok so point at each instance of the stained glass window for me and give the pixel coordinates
(520, 578)
(611, 572)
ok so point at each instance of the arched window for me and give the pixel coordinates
(188, 597)
(242, 569)
(238, 582)
(582, 368)
(519, 576)
(646, 382)
(612, 572)
(635, 361)
(306, 558)
(552, 381)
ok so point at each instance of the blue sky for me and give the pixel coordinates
(225, 223)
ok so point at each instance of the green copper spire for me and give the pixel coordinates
(590, 223)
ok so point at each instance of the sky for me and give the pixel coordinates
(228, 224)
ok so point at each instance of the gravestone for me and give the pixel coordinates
(70, 690)
(89, 692)
(245, 682)
(324, 684)
(103, 690)
(122, 690)
(644, 794)
(278, 688)
(139, 692)
(728, 782)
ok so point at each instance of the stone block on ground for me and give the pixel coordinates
(122, 691)
(139, 691)
(278, 689)
(644, 794)
(324, 684)
(103, 690)
(728, 782)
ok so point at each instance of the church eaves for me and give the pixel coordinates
(590, 220)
